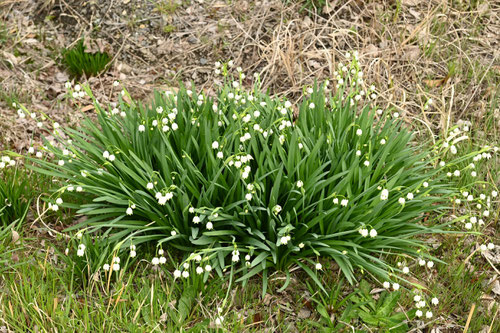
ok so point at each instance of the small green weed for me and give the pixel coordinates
(381, 313)
(80, 62)
(15, 194)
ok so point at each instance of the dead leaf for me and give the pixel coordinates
(410, 3)
(61, 77)
(436, 82)
(496, 287)
(329, 7)
(15, 237)
(30, 41)
(304, 313)
(10, 58)
(414, 13)
(376, 291)
(267, 299)
(411, 53)
(372, 50)
(493, 256)
(88, 108)
(483, 8)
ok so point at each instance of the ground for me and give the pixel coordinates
(412, 51)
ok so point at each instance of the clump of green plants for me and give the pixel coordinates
(237, 183)
(15, 192)
(79, 62)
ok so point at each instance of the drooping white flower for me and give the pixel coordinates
(208, 268)
(185, 274)
(401, 201)
(150, 186)
(409, 196)
(373, 233)
(209, 226)
(177, 273)
(406, 270)
(215, 145)
(386, 284)
(434, 301)
(248, 196)
(219, 320)
(283, 240)
(395, 286)
(419, 313)
(344, 202)
(359, 132)
(129, 211)
(196, 220)
(363, 232)
(428, 314)
(155, 261)
(384, 195)
(199, 270)
(319, 266)
(142, 128)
